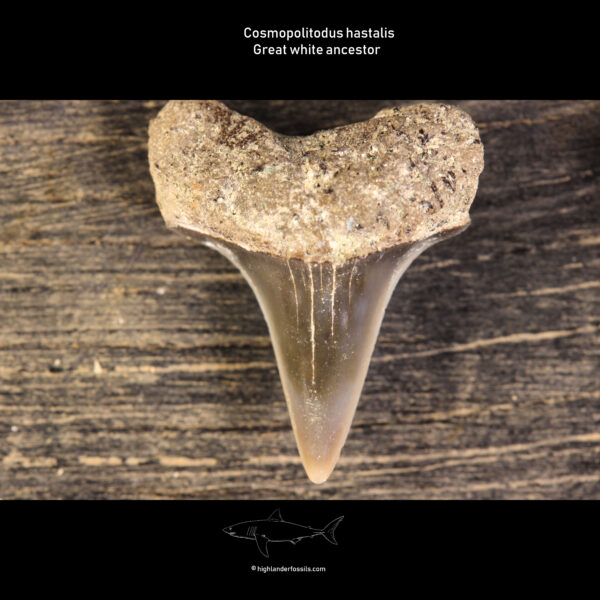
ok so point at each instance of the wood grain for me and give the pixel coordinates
(136, 364)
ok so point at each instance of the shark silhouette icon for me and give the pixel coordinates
(275, 529)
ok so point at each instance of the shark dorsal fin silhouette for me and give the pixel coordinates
(276, 516)
(262, 543)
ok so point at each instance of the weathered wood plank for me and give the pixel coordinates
(136, 364)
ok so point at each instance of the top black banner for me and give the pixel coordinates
(416, 54)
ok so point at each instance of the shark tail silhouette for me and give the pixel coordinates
(329, 530)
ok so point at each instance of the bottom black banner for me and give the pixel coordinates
(189, 542)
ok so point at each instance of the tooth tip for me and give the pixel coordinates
(320, 480)
(319, 472)
(318, 477)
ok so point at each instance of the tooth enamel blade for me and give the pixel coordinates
(323, 321)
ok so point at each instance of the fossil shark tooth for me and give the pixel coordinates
(322, 227)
